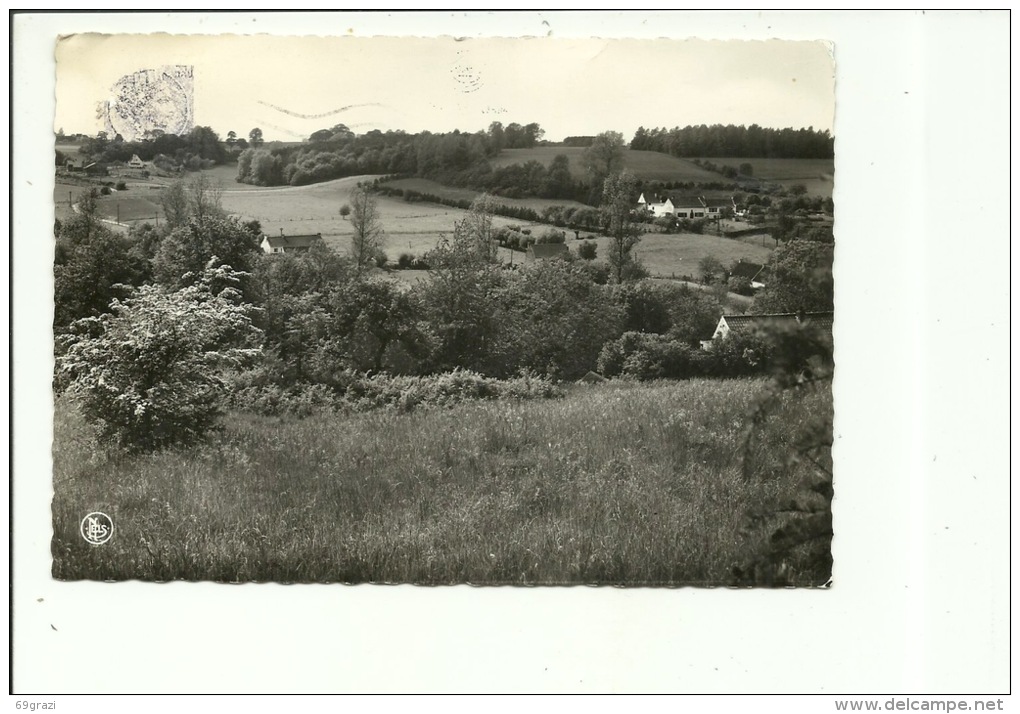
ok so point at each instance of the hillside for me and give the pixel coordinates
(646, 165)
(815, 174)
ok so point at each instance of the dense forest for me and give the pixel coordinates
(736, 141)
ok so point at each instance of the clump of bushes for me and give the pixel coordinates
(358, 392)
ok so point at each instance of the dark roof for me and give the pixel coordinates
(716, 202)
(303, 241)
(549, 250)
(682, 201)
(747, 323)
(821, 320)
(744, 269)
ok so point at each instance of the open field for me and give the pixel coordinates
(815, 174)
(466, 194)
(673, 255)
(413, 228)
(613, 484)
(225, 176)
(647, 165)
(783, 169)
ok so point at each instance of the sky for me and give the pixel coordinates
(291, 86)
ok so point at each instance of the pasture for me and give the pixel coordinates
(621, 483)
(412, 228)
(815, 174)
(672, 255)
(646, 165)
(466, 194)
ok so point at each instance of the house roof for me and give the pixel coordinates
(716, 202)
(822, 320)
(682, 201)
(549, 250)
(301, 241)
(745, 269)
(748, 323)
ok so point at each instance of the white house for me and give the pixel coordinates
(748, 324)
(136, 163)
(289, 244)
(683, 206)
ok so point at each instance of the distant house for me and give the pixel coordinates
(749, 324)
(289, 244)
(715, 206)
(752, 271)
(548, 251)
(75, 165)
(136, 163)
(683, 206)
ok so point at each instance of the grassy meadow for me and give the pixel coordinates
(647, 165)
(466, 194)
(674, 254)
(815, 174)
(413, 228)
(619, 483)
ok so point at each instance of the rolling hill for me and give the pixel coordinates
(647, 165)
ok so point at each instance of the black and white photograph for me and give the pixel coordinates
(511, 352)
(395, 311)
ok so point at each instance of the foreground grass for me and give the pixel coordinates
(625, 484)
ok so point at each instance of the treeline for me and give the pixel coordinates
(454, 159)
(736, 141)
(343, 153)
(201, 144)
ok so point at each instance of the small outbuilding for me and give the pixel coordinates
(548, 251)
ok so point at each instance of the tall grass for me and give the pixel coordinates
(618, 483)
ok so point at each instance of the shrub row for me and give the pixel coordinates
(359, 392)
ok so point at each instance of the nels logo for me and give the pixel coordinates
(97, 528)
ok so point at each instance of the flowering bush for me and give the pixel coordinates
(150, 371)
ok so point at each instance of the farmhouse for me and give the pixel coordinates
(289, 244)
(683, 206)
(547, 251)
(749, 324)
(715, 206)
(135, 162)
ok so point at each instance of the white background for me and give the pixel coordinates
(920, 602)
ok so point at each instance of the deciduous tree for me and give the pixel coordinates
(368, 231)
(799, 279)
(617, 206)
(604, 157)
(92, 266)
(184, 254)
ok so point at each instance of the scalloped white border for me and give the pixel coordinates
(921, 598)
